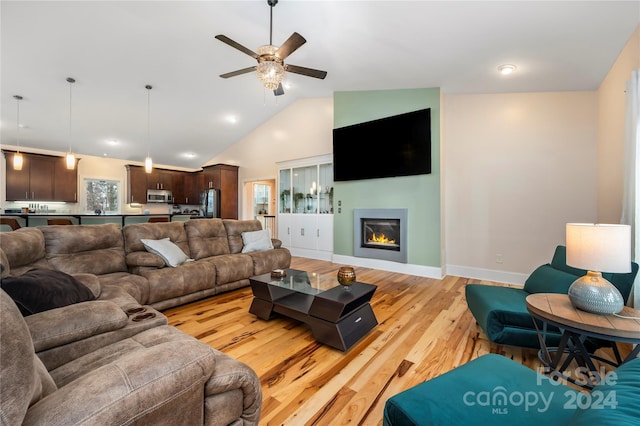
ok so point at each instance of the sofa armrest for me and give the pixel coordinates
(231, 375)
(71, 323)
(144, 258)
(161, 384)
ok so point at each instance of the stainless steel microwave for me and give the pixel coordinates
(159, 196)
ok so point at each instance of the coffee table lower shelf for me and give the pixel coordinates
(338, 332)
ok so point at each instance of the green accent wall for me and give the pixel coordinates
(419, 194)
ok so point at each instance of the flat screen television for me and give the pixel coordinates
(399, 145)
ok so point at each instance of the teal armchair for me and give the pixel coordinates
(501, 312)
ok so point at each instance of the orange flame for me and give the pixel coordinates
(382, 239)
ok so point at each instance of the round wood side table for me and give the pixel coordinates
(576, 327)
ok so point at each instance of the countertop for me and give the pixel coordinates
(38, 219)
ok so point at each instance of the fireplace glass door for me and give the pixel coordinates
(383, 234)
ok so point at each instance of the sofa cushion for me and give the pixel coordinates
(489, 390)
(5, 267)
(23, 378)
(136, 232)
(615, 401)
(58, 327)
(502, 314)
(235, 228)
(93, 249)
(231, 267)
(267, 261)
(42, 289)
(207, 237)
(256, 241)
(168, 283)
(170, 253)
(24, 249)
(547, 279)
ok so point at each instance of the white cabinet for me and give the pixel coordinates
(305, 206)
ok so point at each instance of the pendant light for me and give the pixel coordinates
(70, 158)
(148, 164)
(17, 157)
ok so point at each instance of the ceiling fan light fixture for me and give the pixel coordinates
(507, 69)
(270, 69)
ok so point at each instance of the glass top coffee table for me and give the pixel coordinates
(338, 316)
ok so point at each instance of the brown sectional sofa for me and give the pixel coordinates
(75, 343)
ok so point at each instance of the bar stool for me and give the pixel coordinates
(158, 219)
(59, 222)
(11, 222)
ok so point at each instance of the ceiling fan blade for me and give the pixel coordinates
(291, 45)
(237, 45)
(309, 72)
(279, 90)
(238, 72)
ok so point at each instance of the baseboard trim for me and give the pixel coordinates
(386, 265)
(487, 274)
(418, 270)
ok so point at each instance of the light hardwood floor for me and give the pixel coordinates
(425, 329)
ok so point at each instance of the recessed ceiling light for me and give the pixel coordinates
(232, 119)
(113, 142)
(189, 155)
(286, 85)
(507, 69)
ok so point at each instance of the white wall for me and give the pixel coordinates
(611, 129)
(303, 129)
(518, 168)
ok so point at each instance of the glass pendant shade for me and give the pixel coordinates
(71, 160)
(17, 161)
(17, 157)
(270, 70)
(148, 165)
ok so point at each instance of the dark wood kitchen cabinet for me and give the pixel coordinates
(187, 187)
(160, 179)
(65, 186)
(225, 178)
(42, 178)
(136, 184)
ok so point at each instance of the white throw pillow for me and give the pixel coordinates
(169, 252)
(256, 241)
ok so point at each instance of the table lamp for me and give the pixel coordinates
(598, 248)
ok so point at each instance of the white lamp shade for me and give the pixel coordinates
(599, 247)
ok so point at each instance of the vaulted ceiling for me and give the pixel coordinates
(114, 48)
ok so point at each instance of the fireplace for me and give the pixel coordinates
(383, 234)
(380, 234)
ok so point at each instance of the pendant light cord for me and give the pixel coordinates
(148, 87)
(18, 98)
(71, 81)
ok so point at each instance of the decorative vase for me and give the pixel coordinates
(346, 276)
(592, 293)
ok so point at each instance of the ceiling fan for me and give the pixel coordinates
(271, 67)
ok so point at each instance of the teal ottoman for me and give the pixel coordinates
(494, 390)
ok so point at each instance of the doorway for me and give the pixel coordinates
(260, 203)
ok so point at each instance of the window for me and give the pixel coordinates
(102, 195)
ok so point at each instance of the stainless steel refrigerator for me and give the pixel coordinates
(210, 203)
